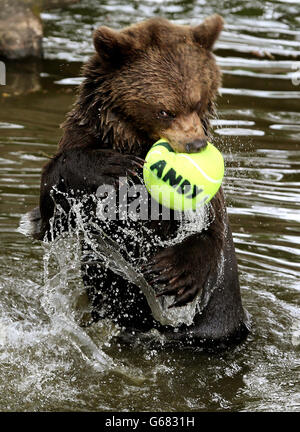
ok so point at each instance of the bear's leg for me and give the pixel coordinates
(203, 264)
(184, 268)
(113, 297)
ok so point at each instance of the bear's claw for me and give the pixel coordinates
(119, 165)
(176, 270)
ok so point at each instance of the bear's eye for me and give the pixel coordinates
(165, 115)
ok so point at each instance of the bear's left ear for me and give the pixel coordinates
(208, 32)
(113, 46)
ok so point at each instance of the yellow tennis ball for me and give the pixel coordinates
(183, 181)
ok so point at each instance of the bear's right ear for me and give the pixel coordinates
(208, 32)
(112, 46)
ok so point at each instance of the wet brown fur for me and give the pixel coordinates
(137, 72)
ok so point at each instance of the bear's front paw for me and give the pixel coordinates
(117, 165)
(180, 270)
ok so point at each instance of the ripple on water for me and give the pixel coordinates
(10, 126)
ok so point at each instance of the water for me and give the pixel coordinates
(47, 360)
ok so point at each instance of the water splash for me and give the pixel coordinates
(108, 246)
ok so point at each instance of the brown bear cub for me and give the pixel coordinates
(153, 79)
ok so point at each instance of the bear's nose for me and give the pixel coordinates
(196, 146)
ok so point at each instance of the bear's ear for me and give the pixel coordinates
(112, 46)
(208, 32)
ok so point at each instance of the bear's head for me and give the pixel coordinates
(150, 80)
